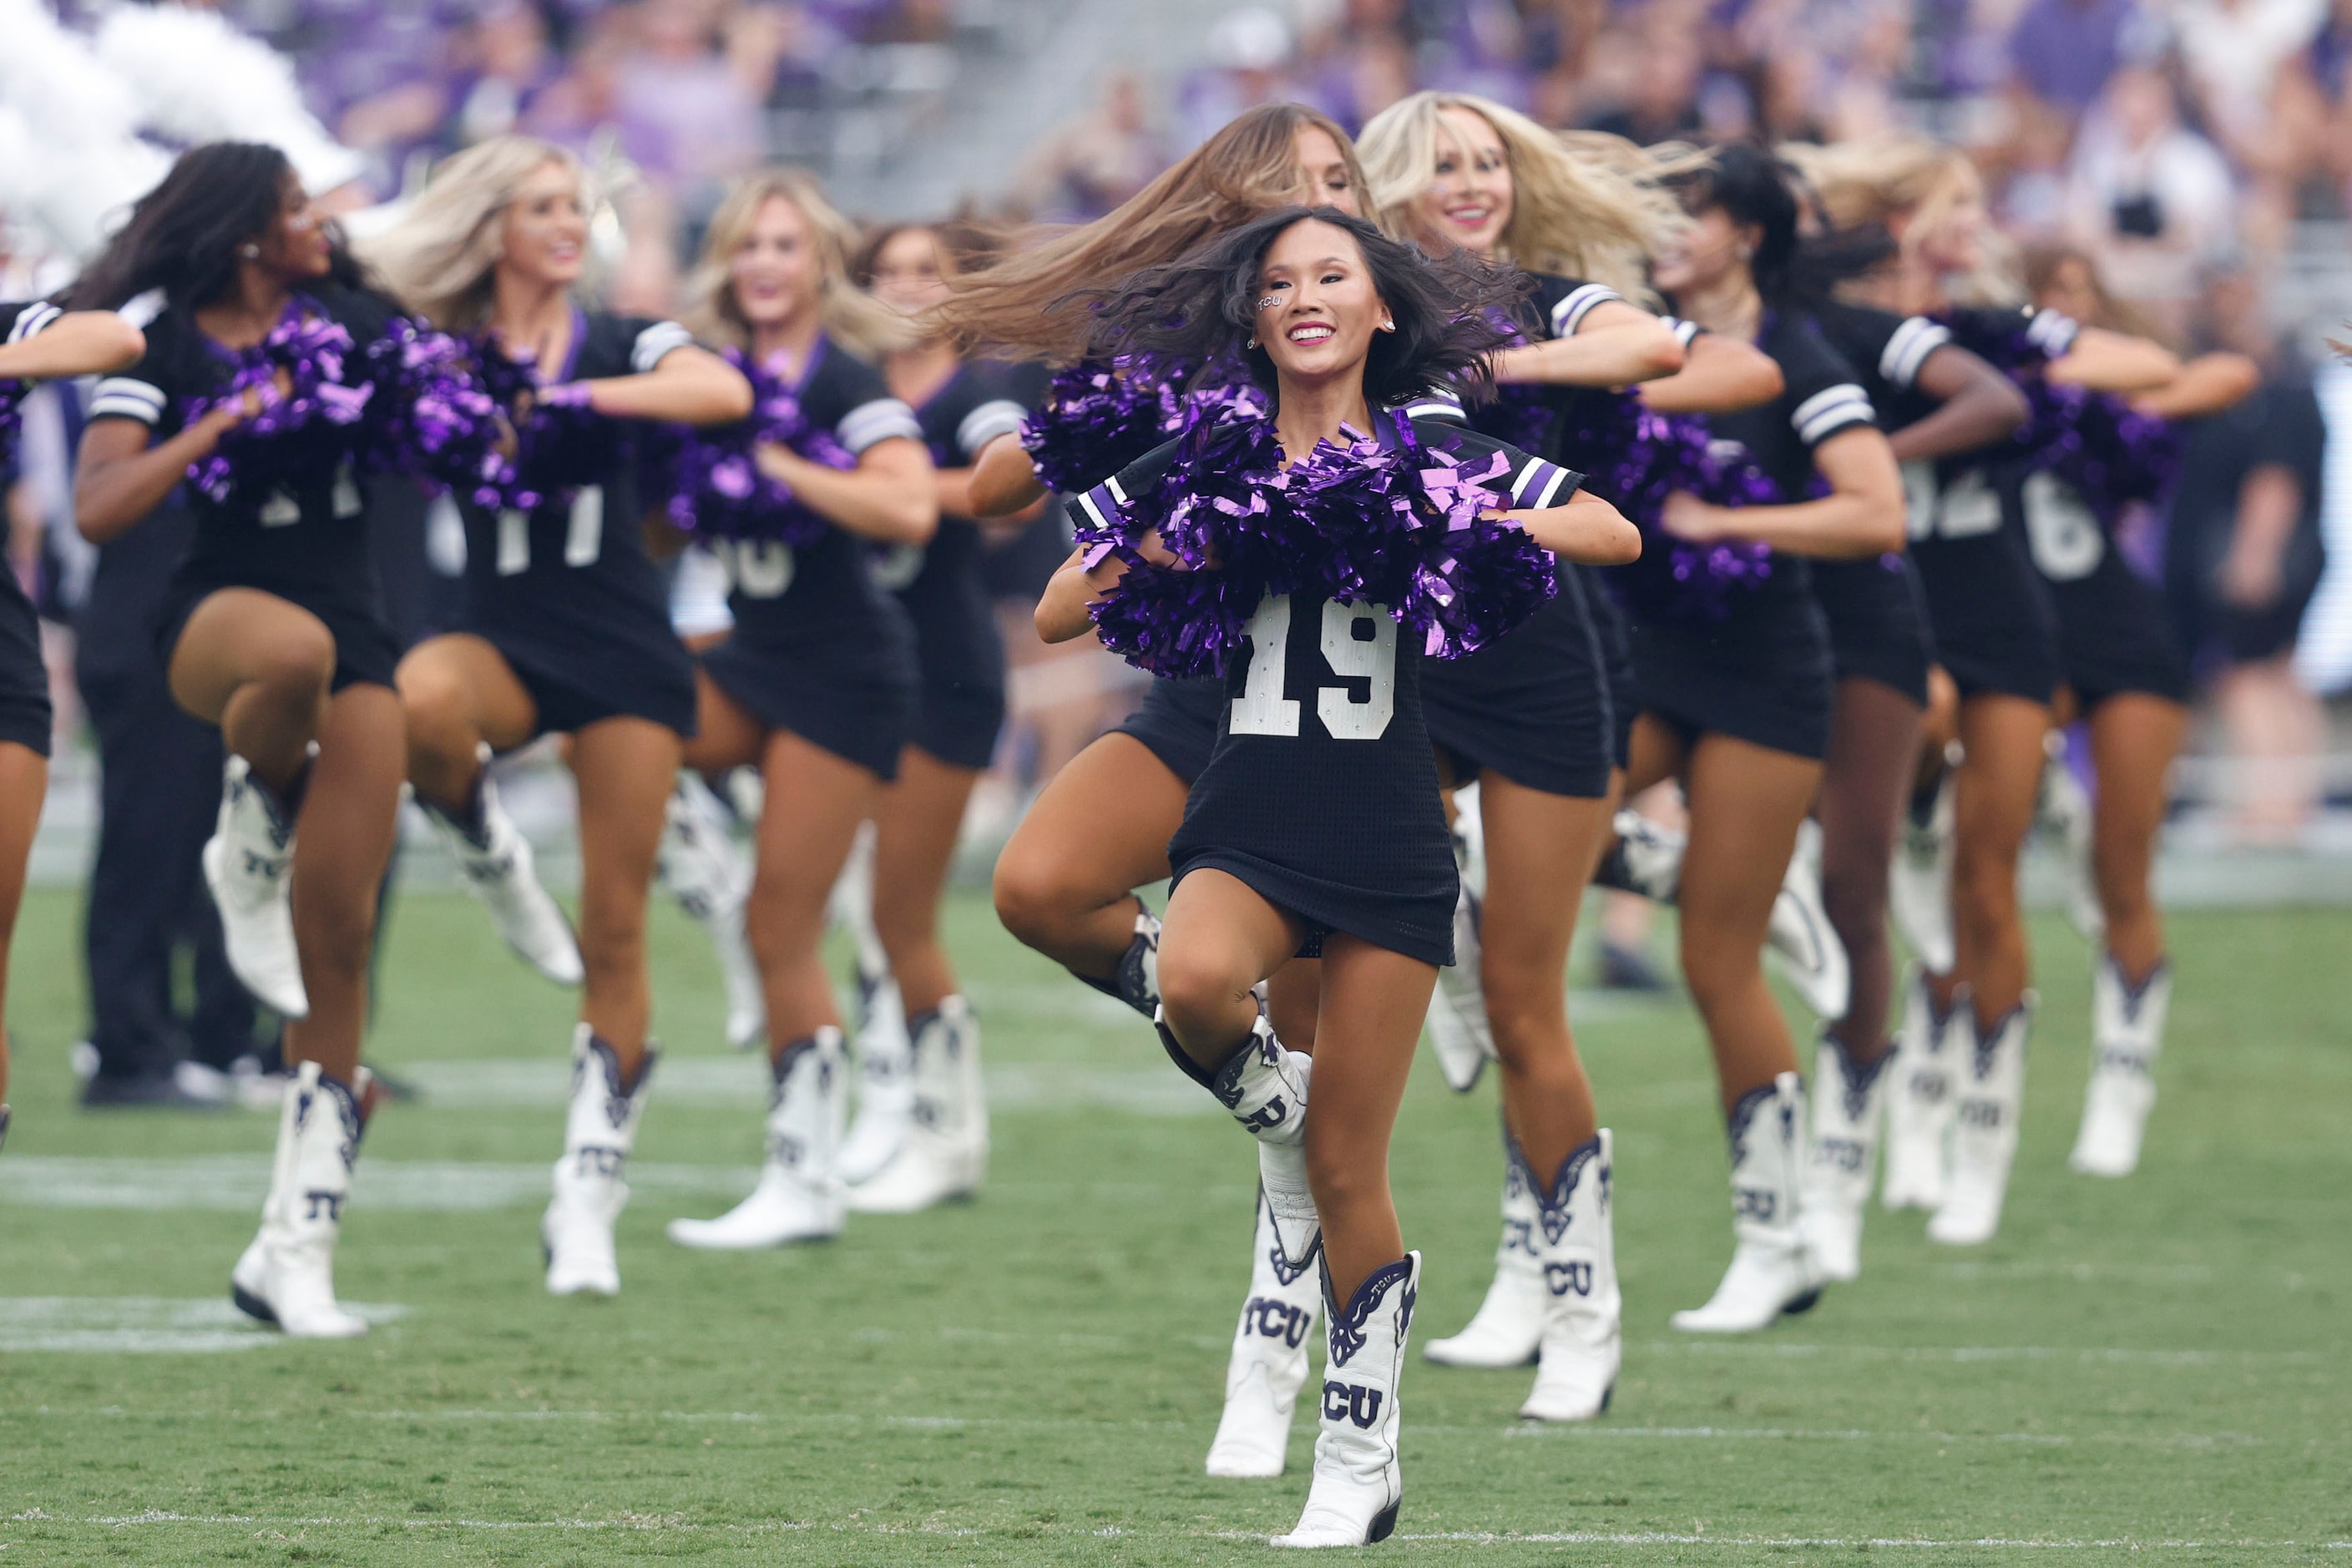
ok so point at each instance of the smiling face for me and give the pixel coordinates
(545, 237)
(1468, 201)
(294, 248)
(774, 274)
(1324, 169)
(1706, 253)
(1953, 220)
(910, 271)
(1317, 307)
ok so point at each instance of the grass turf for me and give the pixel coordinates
(2157, 1364)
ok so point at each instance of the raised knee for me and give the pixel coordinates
(1031, 901)
(1198, 993)
(297, 664)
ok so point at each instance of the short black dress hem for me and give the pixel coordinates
(1418, 928)
(864, 724)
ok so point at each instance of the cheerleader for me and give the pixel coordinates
(565, 628)
(817, 684)
(1995, 633)
(1530, 720)
(2126, 681)
(271, 630)
(37, 343)
(1319, 832)
(1732, 657)
(921, 1117)
(1067, 881)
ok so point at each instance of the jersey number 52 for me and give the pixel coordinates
(1358, 643)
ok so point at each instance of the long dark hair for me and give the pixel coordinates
(1752, 186)
(182, 237)
(1451, 312)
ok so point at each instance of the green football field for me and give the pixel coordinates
(2160, 1366)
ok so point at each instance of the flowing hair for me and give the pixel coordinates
(1876, 180)
(184, 236)
(1581, 203)
(2041, 264)
(1451, 312)
(850, 316)
(1753, 187)
(1023, 305)
(441, 259)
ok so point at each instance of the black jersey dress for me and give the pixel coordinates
(820, 647)
(298, 533)
(1878, 622)
(1762, 671)
(1321, 791)
(1995, 629)
(2115, 632)
(24, 716)
(959, 653)
(1536, 706)
(565, 592)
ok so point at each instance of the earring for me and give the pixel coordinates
(1252, 344)
(250, 252)
(1388, 326)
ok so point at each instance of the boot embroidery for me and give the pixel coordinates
(1988, 1043)
(1285, 1271)
(1743, 1112)
(1350, 1329)
(1552, 1202)
(1855, 1079)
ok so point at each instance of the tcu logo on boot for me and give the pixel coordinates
(1272, 1114)
(1273, 1320)
(1569, 1279)
(1762, 1205)
(1985, 1113)
(595, 1161)
(1519, 1235)
(1838, 1153)
(1928, 1086)
(323, 1205)
(1351, 1402)
(785, 1151)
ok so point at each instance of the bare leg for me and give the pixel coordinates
(1993, 798)
(2134, 739)
(1874, 747)
(1065, 882)
(1373, 1000)
(1219, 938)
(458, 692)
(1540, 851)
(815, 801)
(625, 767)
(916, 827)
(1746, 804)
(24, 781)
(257, 667)
(342, 844)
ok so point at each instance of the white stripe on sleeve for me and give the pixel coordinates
(986, 423)
(656, 341)
(879, 420)
(119, 397)
(1547, 493)
(35, 318)
(1830, 410)
(2052, 333)
(1685, 332)
(1571, 312)
(1908, 349)
(1091, 503)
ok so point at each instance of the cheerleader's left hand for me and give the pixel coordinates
(1685, 516)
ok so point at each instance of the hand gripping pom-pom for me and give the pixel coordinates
(715, 487)
(431, 415)
(309, 404)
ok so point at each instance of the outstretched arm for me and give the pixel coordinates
(1719, 375)
(1614, 345)
(2114, 362)
(1583, 529)
(2206, 385)
(80, 343)
(1004, 481)
(689, 386)
(891, 497)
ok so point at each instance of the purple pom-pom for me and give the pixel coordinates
(1399, 525)
(12, 418)
(717, 488)
(2110, 453)
(1095, 420)
(432, 416)
(310, 406)
(561, 442)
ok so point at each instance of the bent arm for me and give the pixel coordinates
(689, 386)
(1584, 529)
(1719, 375)
(1062, 610)
(2206, 385)
(890, 496)
(120, 477)
(80, 343)
(1614, 345)
(2114, 362)
(1004, 480)
(1976, 405)
(1861, 516)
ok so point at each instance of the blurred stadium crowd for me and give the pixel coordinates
(2200, 151)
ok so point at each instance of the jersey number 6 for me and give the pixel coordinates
(1263, 709)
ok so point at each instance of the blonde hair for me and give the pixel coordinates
(1877, 180)
(1582, 205)
(439, 259)
(851, 317)
(1026, 304)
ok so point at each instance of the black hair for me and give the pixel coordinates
(1752, 187)
(182, 235)
(1451, 312)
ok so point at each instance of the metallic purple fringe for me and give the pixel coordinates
(2109, 452)
(431, 417)
(1365, 523)
(306, 426)
(1095, 419)
(559, 443)
(715, 487)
